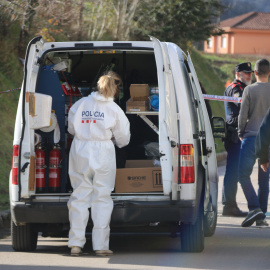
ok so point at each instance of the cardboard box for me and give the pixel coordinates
(137, 106)
(139, 101)
(139, 92)
(138, 176)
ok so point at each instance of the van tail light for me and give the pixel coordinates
(187, 163)
(15, 164)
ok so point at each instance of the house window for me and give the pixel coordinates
(210, 43)
(223, 42)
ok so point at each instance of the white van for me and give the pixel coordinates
(178, 132)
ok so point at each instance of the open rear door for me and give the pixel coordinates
(24, 134)
(209, 152)
(168, 121)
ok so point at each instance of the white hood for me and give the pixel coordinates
(97, 96)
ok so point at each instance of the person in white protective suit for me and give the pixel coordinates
(94, 120)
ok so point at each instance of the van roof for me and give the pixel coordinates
(86, 45)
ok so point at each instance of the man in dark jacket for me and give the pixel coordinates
(263, 142)
(243, 77)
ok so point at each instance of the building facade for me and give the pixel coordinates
(245, 34)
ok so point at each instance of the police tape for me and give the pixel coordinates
(222, 98)
(10, 90)
(209, 97)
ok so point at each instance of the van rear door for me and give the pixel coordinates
(169, 141)
(177, 119)
(24, 134)
(209, 153)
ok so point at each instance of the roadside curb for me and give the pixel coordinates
(5, 218)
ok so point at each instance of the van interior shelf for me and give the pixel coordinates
(144, 113)
(147, 120)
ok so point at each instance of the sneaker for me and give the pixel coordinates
(75, 251)
(261, 223)
(103, 252)
(233, 211)
(252, 216)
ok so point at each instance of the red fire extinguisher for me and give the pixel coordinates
(55, 169)
(40, 169)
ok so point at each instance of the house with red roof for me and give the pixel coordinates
(245, 34)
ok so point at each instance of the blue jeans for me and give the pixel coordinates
(231, 175)
(247, 160)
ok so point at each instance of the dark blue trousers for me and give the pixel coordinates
(231, 175)
(247, 160)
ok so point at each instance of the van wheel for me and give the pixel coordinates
(24, 238)
(210, 223)
(192, 236)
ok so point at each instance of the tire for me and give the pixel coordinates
(192, 236)
(24, 238)
(210, 223)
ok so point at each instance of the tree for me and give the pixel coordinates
(22, 11)
(112, 18)
(77, 19)
(54, 17)
(178, 21)
(98, 18)
(125, 11)
(171, 20)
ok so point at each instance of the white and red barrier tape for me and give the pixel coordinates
(222, 98)
(209, 97)
(10, 90)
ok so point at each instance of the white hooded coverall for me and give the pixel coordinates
(93, 121)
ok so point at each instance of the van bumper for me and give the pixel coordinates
(124, 212)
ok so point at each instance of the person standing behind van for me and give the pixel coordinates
(94, 121)
(255, 104)
(243, 76)
(262, 143)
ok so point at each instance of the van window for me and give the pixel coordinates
(190, 93)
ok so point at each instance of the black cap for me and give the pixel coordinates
(246, 67)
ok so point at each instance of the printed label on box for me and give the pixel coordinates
(157, 178)
(134, 110)
(136, 184)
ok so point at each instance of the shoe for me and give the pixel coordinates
(261, 223)
(252, 216)
(75, 251)
(103, 252)
(233, 211)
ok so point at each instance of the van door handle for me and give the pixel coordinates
(24, 166)
(173, 144)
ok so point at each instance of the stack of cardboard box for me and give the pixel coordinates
(139, 100)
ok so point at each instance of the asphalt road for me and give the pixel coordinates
(232, 247)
